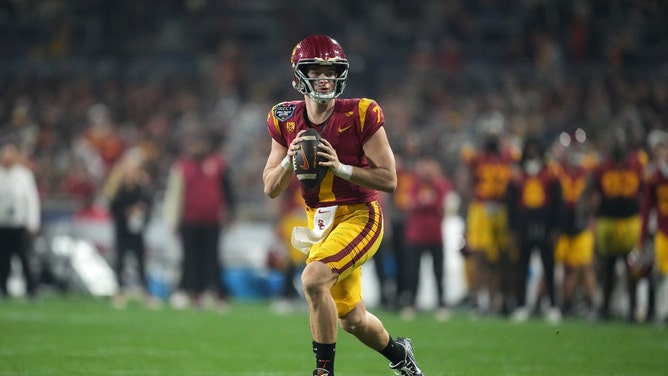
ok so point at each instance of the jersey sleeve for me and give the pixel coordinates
(274, 126)
(371, 118)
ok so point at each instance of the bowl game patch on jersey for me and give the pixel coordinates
(284, 111)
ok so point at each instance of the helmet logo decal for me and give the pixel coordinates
(292, 55)
(284, 111)
(326, 60)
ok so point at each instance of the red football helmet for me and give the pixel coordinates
(318, 50)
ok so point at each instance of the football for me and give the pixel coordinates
(309, 173)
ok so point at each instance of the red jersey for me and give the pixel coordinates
(203, 196)
(491, 173)
(351, 125)
(655, 196)
(573, 183)
(424, 218)
(620, 186)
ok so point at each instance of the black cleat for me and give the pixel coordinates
(408, 366)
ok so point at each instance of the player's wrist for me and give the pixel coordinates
(286, 163)
(344, 171)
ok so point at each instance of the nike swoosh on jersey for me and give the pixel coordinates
(343, 129)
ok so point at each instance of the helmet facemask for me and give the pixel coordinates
(307, 85)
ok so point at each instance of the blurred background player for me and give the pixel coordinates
(130, 199)
(652, 253)
(489, 169)
(19, 215)
(617, 187)
(383, 266)
(199, 201)
(396, 205)
(574, 251)
(424, 234)
(533, 201)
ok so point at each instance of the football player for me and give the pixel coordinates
(424, 234)
(574, 250)
(533, 200)
(655, 206)
(345, 219)
(617, 185)
(397, 207)
(489, 169)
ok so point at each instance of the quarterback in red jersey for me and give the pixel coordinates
(345, 220)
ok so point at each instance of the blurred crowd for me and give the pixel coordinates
(80, 90)
(84, 83)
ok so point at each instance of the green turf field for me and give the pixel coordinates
(84, 336)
